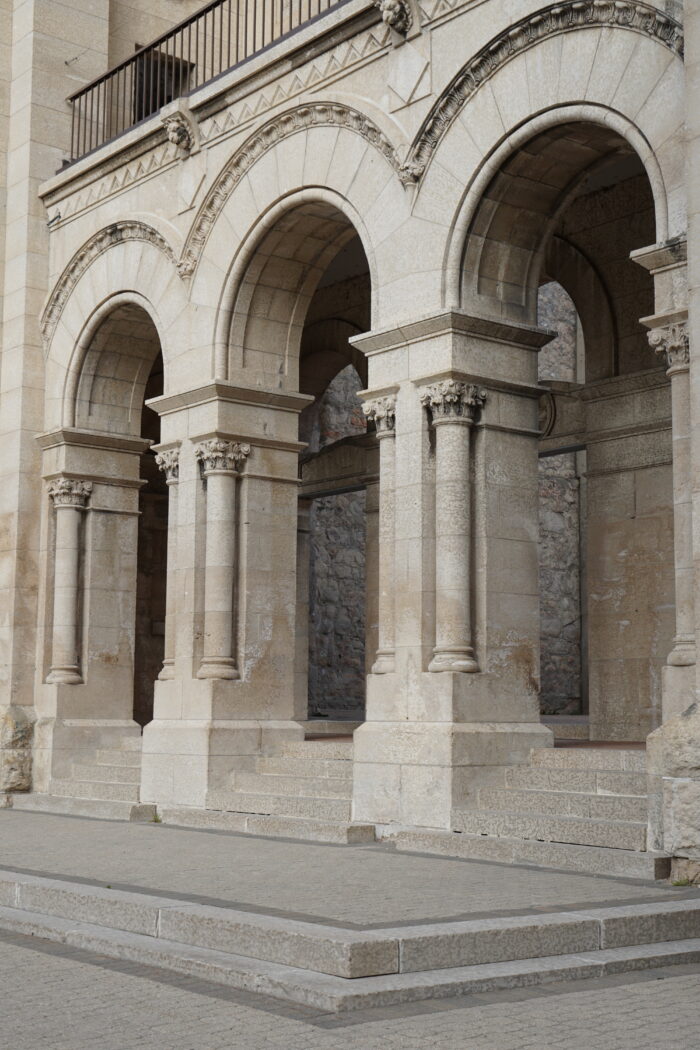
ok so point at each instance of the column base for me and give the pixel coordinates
(385, 662)
(193, 762)
(167, 671)
(460, 660)
(683, 653)
(677, 689)
(419, 773)
(64, 676)
(218, 667)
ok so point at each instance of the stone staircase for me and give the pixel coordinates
(303, 790)
(105, 784)
(577, 808)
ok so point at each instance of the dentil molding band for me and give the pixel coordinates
(559, 18)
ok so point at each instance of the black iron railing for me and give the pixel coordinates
(219, 37)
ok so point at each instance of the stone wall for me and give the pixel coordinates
(337, 566)
(560, 526)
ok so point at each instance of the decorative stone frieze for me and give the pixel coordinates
(559, 18)
(127, 230)
(169, 462)
(451, 399)
(68, 492)
(382, 412)
(671, 341)
(397, 14)
(179, 131)
(218, 456)
(320, 114)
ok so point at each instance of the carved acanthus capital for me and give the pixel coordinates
(169, 462)
(179, 131)
(218, 456)
(67, 492)
(451, 399)
(672, 342)
(397, 14)
(382, 412)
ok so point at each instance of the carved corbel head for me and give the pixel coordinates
(397, 14)
(180, 126)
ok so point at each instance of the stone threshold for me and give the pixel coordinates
(338, 969)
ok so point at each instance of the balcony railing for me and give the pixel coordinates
(222, 35)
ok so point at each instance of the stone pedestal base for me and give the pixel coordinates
(677, 690)
(184, 761)
(61, 742)
(419, 773)
(673, 763)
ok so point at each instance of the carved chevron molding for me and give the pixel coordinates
(116, 234)
(560, 18)
(289, 123)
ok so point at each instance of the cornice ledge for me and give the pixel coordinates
(527, 337)
(667, 255)
(619, 386)
(92, 439)
(222, 390)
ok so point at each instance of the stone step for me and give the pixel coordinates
(288, 766)
(119, 758)
(594, 860)
(586, 781)
(614, 834)
(96, 790)
(84, 807)
(325, 749)
(597, 758)
(566, 804)
(268, 826)
(314, 787)
(309, 808)
(338, 994)
(103, 774)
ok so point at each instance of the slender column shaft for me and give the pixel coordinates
(219, 461)
(168, 461)
(672, 342)
(70, 499)
(383, 412)
(453, 406)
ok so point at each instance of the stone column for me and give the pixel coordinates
(453, 406)
(301, 624)
(219, 463)
(671, 341)
(168, 461)
(382, 412)
(70, 498)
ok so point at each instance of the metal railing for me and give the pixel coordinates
(202, 47)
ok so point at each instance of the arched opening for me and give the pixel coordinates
(305, 292)
(122, 368)
(549, 244)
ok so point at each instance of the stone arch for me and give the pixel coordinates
(262, 141)
(273, 277)
(545, 24)
(110, 281)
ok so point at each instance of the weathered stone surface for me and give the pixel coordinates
(16, 731)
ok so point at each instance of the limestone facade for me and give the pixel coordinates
(386, 188)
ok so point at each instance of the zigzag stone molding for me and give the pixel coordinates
(560, 18)
(102, 241)
(314, 115)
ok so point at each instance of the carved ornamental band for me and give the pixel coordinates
(169, 462)
(219, 456)
(451, 399)
(67, 492)
(382, 412)
(672, 342)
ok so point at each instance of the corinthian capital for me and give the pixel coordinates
(452, 399)
(382, 412)
(217, 456)
(67, 492)
(672, 342)
(169, 462)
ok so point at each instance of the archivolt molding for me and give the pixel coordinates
(118, 233)
(560, 18)
(289, 123)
